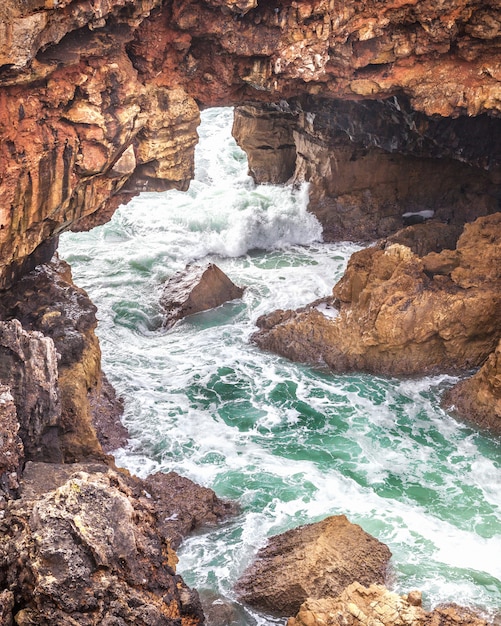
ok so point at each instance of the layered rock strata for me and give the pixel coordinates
(401, 314)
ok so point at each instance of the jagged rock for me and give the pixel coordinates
(46, 301)
(28, 366)
(11, 445)
(375, 605)
(184, 506)
(399, 314)
(314, 561)
(195, 289)
(265, 133)
(84, 547)
(478, 399)
(106, 411)
(100, 100)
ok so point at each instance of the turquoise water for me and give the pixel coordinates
(292, 444)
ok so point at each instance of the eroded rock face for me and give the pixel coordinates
(82, 546)
(11, 446)
(195, 289)
(358, 606)
(401, 314)
(314, 561)
(478, 399)
(60, 320)
(99, 100)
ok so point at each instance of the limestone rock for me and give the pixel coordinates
(478, 399)
(195, 289)
(46, 301)
(314, 561)
(83, 547)
(28, 366)
(11, 445)
(401, 315)
(184, 506)
(360, 606)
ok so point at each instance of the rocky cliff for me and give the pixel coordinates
(386, 108)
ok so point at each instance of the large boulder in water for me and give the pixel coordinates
(358, 606)
(402, 314)
(197, 288)
(313, 561)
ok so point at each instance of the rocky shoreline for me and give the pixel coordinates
(390, 111)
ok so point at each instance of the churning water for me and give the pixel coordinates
(291, 443)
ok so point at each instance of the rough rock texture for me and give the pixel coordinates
(401, 314)
(369, 164)
(478, 399)
(46, 301)
(100, 99)
(28, 366)
(83, 547)
(195, 507)
(314, 561)
(11, 446)
(375, 605)
(196, 288)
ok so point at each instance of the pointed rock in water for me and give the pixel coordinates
(313, 561)
(196, 288)
(358, 606)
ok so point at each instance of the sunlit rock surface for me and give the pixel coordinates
(401, 314)
(313, 561)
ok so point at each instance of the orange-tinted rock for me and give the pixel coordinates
(478, 399)
(360, 606)
(196, 288)
(395, 318)
(314, 561)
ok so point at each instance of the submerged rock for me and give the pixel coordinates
(196, 288)
(314, 561)
(360, 606)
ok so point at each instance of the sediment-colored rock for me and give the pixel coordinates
(184, 506)
(11, 446)
(360, 606)
(84, 547)
(314, 561)
(478, 399)
(398, 317)
(194, 289)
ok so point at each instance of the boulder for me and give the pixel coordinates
(402, 314)
(360, 606)
(196, 288)
(313, 561)
(183, 506)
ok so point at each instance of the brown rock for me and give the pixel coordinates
(360, 606)
(195, 289)
(86, 549)
(314, 561)
(184, 506)
(11, 446)
(478, 399)
(397, 319)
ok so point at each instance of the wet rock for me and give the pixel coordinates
(359, 606)
(195, 289)
(400, 314)
(84, 547)
(314, 561)
(478, 399)
(184, 506)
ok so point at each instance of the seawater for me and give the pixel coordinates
(293, 444)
